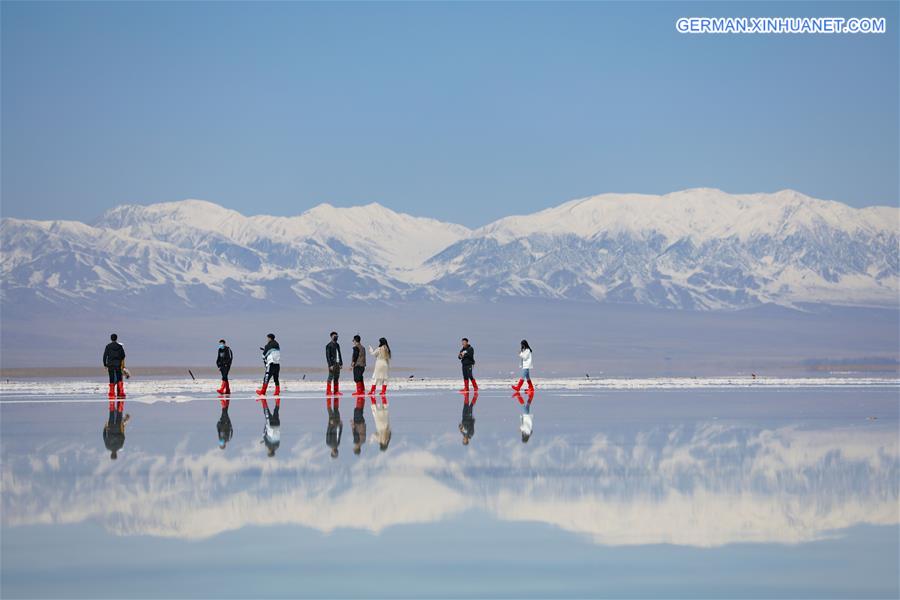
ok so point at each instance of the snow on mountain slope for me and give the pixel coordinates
(699, 214)
(699, 249)
(396, 241)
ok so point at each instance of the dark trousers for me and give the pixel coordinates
(115, 416)
(272, 372)
(224, 372)
(115, 374)
(467, 372)
(358, 373)
(334, 373)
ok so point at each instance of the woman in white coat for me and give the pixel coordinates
(525, 362)
(382, 356)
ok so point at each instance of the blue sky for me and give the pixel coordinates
(465, 112)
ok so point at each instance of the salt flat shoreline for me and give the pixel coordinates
(137, 387)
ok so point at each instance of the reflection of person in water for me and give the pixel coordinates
(272, 429)
(335, 426)
(359, 426)
(114, 429)
(382, 422)
(224, 425)
(526, 420)
(467, 425)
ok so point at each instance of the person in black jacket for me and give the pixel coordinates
(335, 362)
(467, 425)
(335, 426)
(223, 361)
(467, 358)
(114, 361)
(114, 429)
(223, 427)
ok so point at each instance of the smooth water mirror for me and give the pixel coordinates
(775, 492)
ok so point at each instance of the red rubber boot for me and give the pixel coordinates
(518, 386)
(384, 389)
(474, 384)
(337, 388)
(372, 391)
(262, 391)
(112, 391)
(277, 390)
(466, 388)
(328, 389)
(530, 386)
(221, 389)
(121, 390)
(227, 387)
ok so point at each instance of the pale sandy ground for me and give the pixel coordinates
(184, 389)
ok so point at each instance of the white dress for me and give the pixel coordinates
(382, 365)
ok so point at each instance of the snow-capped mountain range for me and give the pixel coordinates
(697, 249)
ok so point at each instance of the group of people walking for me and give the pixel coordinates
(334, 361)
(114, 361)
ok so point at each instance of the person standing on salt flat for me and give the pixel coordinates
(380, 375)
(223, 362)
(467, 358)
(114, 361)
(272, 359)
(335, 362)
(358, 364)
(525, 362)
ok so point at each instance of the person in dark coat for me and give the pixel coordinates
(114, 429)
(467, 358)
(114, 361)
(358, 364)
(335, 362)
(223, 427)
(467, 425)
(223, 361)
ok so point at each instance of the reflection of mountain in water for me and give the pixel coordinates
(702, 486)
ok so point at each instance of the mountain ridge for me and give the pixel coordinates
(700, 248)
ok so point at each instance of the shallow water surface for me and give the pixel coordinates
(771, 492)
